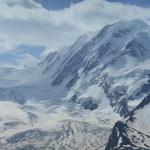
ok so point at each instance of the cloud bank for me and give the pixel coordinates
(24, 22)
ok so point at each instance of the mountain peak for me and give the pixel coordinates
(135, 24)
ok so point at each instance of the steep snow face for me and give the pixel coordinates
(142, 121)
(133, 133)
(139, 116)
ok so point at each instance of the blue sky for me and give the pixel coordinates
(57, 4)
(30, 29)
(60, 4)
(141, 3)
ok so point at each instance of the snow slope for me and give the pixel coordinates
(134, 133)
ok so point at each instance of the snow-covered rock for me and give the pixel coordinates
(134, 133)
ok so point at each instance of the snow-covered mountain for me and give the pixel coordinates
(82, 91)
(134, 133)
(112, 64)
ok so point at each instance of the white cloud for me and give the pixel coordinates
(26, 60)
(24, 3)
(7, 46)
(28, 23)
(10, 110)
(48, 50)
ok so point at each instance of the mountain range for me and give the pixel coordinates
(93, 95)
